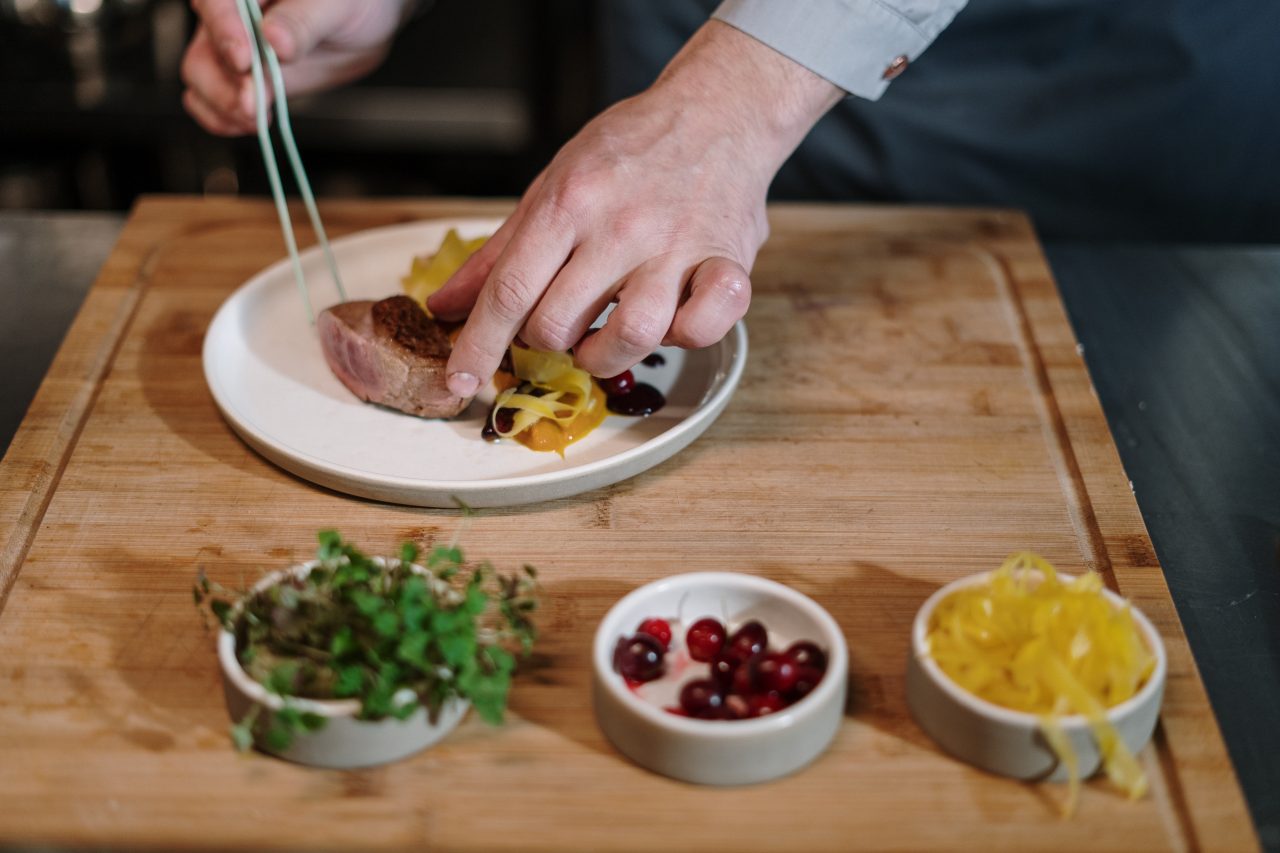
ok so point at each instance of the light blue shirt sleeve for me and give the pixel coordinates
(856, 44)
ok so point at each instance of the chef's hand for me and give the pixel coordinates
(658, 203)
(320, 43)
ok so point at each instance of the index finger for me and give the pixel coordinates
(519, 277)
(226, 31)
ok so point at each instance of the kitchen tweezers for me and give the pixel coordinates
(251, 15)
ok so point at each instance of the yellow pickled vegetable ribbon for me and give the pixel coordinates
(1028, 641)
(427, 275)
(566, 390)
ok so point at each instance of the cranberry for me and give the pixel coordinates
(807, 678)
(638, 658)
(750, 639)
(672, 709)
(736, 707)
(776, 672)
(704, 638)
(765, 703)
(639, 402)
(616, 386)
(745, 678)
(703, 699)
(723, 666)
(805, 653)
(658, 629)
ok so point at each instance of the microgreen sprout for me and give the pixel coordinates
(392, 637)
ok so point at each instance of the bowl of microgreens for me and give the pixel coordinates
(352, 661)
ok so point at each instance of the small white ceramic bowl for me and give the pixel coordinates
(1011, 742)
(343, 742)
(721, 752)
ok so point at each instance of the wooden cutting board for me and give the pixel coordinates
(914, 408)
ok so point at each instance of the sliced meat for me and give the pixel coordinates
(390, 352)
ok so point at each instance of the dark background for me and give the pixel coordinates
(474, 99)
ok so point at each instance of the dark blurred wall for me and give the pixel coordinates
(473, 99)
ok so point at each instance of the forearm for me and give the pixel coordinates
(748, 90)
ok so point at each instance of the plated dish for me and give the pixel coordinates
(265, 370)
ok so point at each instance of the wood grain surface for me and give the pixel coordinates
(913, 409)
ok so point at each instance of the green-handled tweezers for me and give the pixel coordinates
(251, 15)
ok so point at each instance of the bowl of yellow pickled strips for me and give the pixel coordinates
(1038, 675)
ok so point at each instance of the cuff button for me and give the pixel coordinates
(896, 67)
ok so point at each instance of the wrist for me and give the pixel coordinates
(748, 89)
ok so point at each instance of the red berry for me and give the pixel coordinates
(672, 709)
(723, 666)
(736, 707)
(658, 629)
(765, 703)
(745, 681)
(704, 638)
(776, 672)
(807, 678)
(638, 658)
(750, 639)
(805, 653)
(616, 386)
(703, 699)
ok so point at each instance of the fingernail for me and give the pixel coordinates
(463, 384)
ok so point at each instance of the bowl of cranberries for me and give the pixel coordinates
(719, 678)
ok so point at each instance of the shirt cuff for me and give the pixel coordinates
(858, 45)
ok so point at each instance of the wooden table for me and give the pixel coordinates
(913, 409)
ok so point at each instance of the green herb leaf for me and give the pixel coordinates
(330, 544)
(241, 737)
(368, 603)
(457, 648)
(281, 679)
(350, 681)
(413, 649)
(477, 600)
(408, 553)
(343, 642)
(442, 557)
(279, 737)
(221, 611)
(311, 722)
(387, 623)
(500, 659)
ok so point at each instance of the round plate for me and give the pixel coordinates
(264, 366)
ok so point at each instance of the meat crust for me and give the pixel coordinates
(391, 353)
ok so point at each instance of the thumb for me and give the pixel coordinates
(295, 27)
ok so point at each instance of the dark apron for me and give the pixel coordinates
(1104, 119)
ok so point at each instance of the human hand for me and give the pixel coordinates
(657, 204)
(320, 43)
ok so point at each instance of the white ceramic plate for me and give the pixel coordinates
(263, 363)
